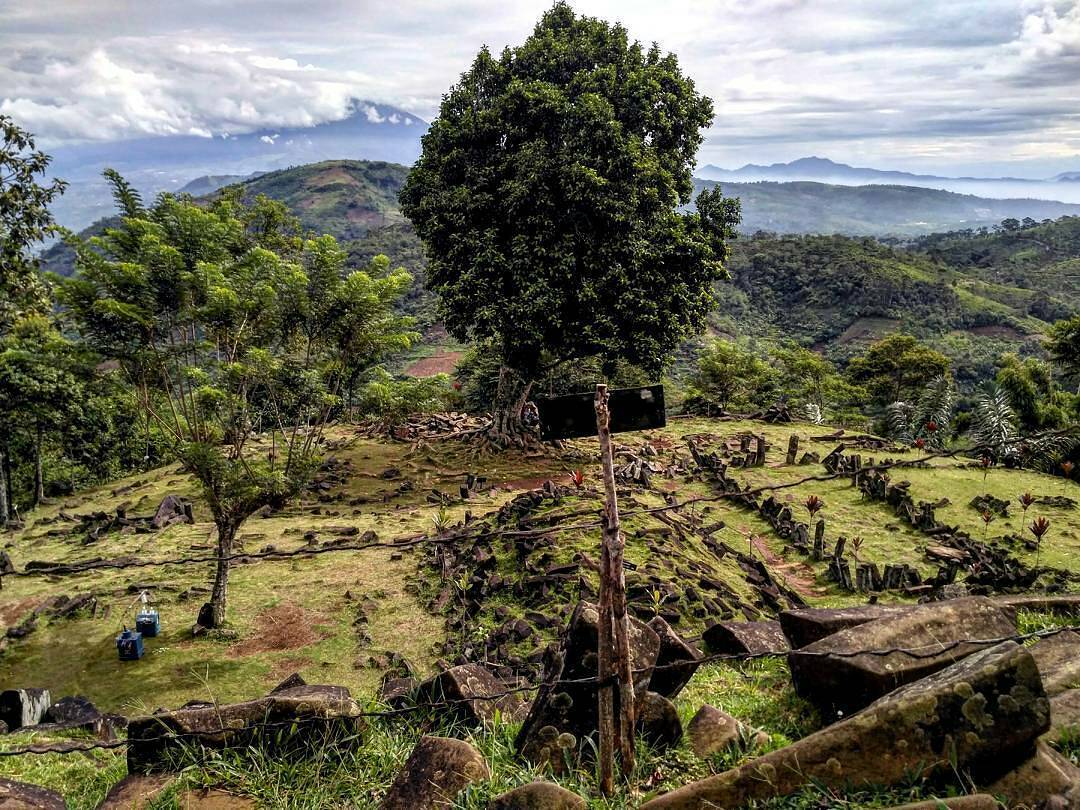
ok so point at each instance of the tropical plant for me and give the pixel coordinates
(928, 419)
(225, 320)
(1039, 527)
(993, 424)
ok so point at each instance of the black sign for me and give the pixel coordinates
(574, 415)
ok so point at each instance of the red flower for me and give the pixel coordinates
(932, 426)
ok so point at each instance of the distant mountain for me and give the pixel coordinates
(875, 210)
(167, 163)
(823, 170)
(1067, 177)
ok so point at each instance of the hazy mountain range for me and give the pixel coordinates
(167, 163)
(1063, 187)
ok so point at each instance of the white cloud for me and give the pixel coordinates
(913, 83)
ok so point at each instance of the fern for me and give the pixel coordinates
(993, 424)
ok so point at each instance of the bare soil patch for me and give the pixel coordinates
(442, 363)
(285, 627)
(11, 612)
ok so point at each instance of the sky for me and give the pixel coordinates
(984, 87)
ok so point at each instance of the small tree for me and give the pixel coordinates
(1063, 344)
(812, 380)
(548, 197)
(926, 421)
(728, 375)
(896, 368)
(40, 389)
(225, 321)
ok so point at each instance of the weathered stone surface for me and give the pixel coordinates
(397, 692)
(712, 731)
(24, 707)
(1064, 714)
(75, 710)
(565, 710)
(135, 792)
(213, 799)
(1058, 657)
(1059, 603)
(676, 662)
(842, 673)
(803, 627)
(977, 801)
(1043, 776)
(538, 796)
(467, 690)
(172, 509)
(741, 638)
(658, 721)
(22, 796)
(318, 714)
(437, 770)
(982, 714)
(293, 680)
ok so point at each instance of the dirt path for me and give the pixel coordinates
(798, 575)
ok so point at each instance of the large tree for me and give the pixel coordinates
(25, 221)
(228, 323)
(897, 368)
(548, 196)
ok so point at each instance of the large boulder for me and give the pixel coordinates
(981, 716)
(24, 707)
(1065, 715)
(22, 796)
(294, 720)
(676, 662)
(565, 710)
(437, 770)
(1062, 604)
(807, 625)
(538, 796)
(975, 801)
(1058, 658)
(745, 638)
(848, 670)
(468, 694)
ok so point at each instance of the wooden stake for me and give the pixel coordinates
(614, 624)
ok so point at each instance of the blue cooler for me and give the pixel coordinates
(129, 645)
(148, 622)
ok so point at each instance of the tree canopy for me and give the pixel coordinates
(548, 197)
(228, 323)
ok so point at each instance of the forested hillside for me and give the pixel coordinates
(974, 294)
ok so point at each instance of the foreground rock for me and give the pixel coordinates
(468, 692)
(1045, 776)
(676, 662)
(1058, 658)
(844, 672)
(564, 713)
(538, 796)
(22, 796)
(803, 627)
(745, 638)
(135, 792)
(437, 770)
(658, 721)
(23, 707)
(713, 731)
(977, 801)
(980, 716)
(293, 721)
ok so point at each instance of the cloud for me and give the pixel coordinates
(910, 83)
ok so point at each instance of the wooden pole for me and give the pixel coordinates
(614, 624)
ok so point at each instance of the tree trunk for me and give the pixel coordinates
(39, 472)
(9, 487)
(507, 425)
(219, 598)
(5, 510)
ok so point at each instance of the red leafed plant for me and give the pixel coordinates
(1039, 527)
(579, 478)
(813, 505)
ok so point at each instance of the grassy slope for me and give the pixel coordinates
(294, 615)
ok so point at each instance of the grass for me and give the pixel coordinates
(300, 614)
